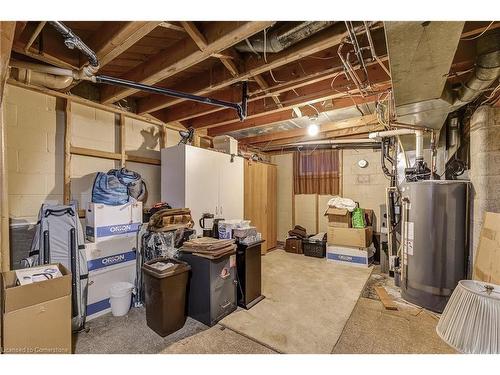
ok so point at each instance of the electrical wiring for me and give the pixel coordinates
(477, 36)
(265, 58)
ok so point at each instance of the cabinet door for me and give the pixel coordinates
(202, 183)
(256, 197)
(230, 187)
(271, 209)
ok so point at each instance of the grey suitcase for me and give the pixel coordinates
(59, 239)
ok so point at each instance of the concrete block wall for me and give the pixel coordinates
(364, 185)
(485, 166)
(35, 150)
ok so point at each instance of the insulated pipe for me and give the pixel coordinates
(282, 37)
(42, 68)
(71, 40)
(31, 77)
(487, 68)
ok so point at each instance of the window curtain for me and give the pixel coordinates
(316, 172)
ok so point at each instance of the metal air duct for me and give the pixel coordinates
(279, 38)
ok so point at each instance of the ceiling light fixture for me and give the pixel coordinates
(313, 130)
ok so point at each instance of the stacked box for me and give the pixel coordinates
(349, 245)
(354, 256)
(103, 221)
(109, 261)
(112, 252)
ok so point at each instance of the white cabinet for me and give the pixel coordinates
(203, 181)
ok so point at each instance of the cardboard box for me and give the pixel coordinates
(293, 245)
(354, 256)
(108, 261)
(487, 257)
(350, 236)
(103, 221)
(338, 217)
(36, 318)
(226, 143)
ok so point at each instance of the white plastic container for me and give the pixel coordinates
(120, 298)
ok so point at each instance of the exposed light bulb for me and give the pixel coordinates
(313, 130)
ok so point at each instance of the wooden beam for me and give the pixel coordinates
(475, 28)
(7, 31)
(67, 151)
(123, 141)
(354, 122)
(334, 134)
(183, 55)
(273, 116)
(113, 155)
(171, 26)
(202, 44)
(89, 103)
(315, 73)
(112, 40)
(202, 85)
(195, 34)
(35, 34)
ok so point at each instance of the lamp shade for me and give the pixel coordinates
(470, 322)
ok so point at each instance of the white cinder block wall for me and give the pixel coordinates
(35, 150)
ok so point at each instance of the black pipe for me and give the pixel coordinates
(240, 108)
(71, 40)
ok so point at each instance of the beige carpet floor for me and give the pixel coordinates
(217, 340)
(308, 302)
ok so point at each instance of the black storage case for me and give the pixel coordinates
(248, 263)
(314, 248)
(211, 287)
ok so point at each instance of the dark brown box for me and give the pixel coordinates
(293, 245)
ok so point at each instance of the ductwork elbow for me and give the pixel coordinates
(51, 81)
(487, 68)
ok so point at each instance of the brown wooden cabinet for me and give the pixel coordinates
(260, 200)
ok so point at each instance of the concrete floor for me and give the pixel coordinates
(369, 329)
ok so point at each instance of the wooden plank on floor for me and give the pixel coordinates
(387, 301)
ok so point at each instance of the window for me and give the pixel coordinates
(316, 172)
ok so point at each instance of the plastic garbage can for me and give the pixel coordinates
(165, 285)
(120, 295)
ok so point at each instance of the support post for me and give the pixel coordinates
(67, 151)
(122, 140)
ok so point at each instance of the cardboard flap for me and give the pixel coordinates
(336, 211)
(18, 297)
(487, 258)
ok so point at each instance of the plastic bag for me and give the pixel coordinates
(358, 218)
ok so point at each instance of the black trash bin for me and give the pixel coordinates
(165, 295)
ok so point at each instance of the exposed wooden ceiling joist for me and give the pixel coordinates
(218, 79)
(302, 132)
(182, 55)
(308, 74)
(112, 40)
(313, 93)
(7, 30)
